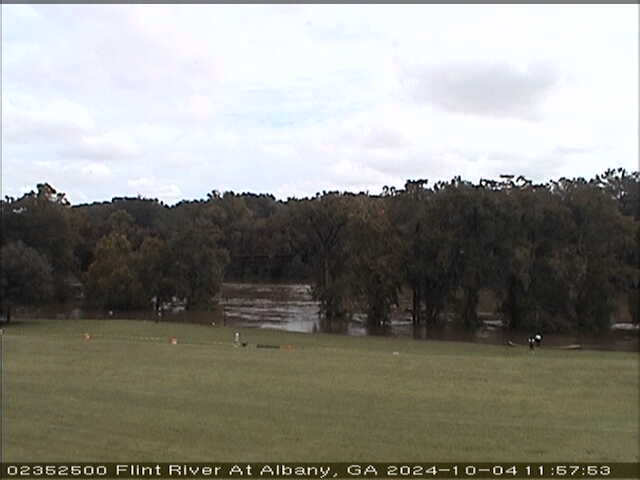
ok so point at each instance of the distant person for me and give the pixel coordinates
(534, 341)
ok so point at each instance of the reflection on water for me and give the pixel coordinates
(290, 308)
(283, 307)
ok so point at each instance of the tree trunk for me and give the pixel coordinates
(512, 305)
(158, 308)
(325, 273)
(414, 306)
(470, 307)
(418, 304)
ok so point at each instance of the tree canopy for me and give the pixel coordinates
(556, 256)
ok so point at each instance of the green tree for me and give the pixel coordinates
(198, 262)
(407, 212)
(153, 267)
(121, 222)
(322, 224)
(375, 262)
(601, 242)
(43, 220)
(633, 295)
(468, 217)
(534, 259)
(112, 280)
(25, 277)
(623, 187)
(567, 258)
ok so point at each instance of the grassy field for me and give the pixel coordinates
(128, 394)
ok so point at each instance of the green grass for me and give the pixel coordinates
(129, 395)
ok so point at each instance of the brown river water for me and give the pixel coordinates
(290, 307)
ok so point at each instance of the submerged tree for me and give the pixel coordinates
(322, 223)
(533, 265)
(556, 256)
(599, 270)
(375, 262)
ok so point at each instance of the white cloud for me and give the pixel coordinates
(296, 99)
(198, 108)
(106, 146)
(494, 89)
(151, 187)
(96, 170)
(24, 118)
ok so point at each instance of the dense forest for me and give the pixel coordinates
(556, 256)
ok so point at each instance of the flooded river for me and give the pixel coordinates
(290, 308)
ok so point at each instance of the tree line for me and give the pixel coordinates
(557, 256)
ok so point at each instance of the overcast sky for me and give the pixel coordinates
(174, 101)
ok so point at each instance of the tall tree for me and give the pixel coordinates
(533, 259)
(153, 263)
(112, 280)
(468, 216)
(25, 277)
(198, 261)
(375, 259)
(42, 220)
(407, 212)
(322, 223)
(600, 244)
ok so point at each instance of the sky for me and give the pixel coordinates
(174, 101)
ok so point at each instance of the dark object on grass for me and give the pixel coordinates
(244, 344)
(260, 345)
(574, 346)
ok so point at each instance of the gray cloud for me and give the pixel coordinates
(25, 119)
(498, 89)
(538, 167)
(107, 146)
(173, 101)
(384, 138)
(573, 150)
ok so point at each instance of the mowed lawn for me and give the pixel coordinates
(128, 394)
